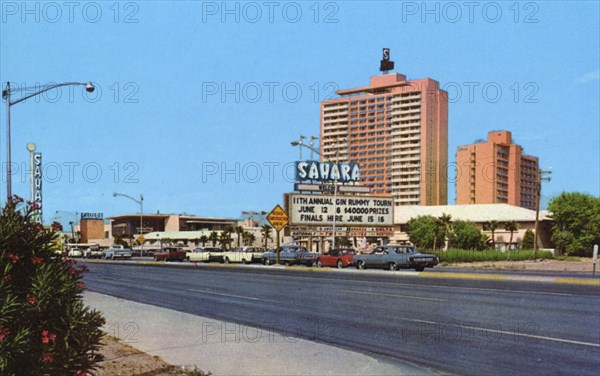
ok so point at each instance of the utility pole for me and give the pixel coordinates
(540, 178)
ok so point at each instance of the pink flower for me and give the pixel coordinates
(7, 278)
(12, 258)
(48, 358)
(3, 332)
(48, 337)
(81, 373)
(31, 299)
(81, 285)
(37, 260)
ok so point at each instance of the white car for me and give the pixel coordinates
(245, 255)
(75, 252)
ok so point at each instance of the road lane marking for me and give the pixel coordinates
(515, 333)
(577, 281)
(393, 295)
(234, 296)
(463, 276)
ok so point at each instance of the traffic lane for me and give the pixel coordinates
(458, 301)
(382, 324)
(408, 277)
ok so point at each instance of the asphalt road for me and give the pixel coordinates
(469, 327)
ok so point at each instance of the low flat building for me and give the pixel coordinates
(480, 214)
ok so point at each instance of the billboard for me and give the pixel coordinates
(358, 211)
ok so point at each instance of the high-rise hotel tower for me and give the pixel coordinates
(397, 131)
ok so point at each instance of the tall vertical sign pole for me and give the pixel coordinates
(595, 260)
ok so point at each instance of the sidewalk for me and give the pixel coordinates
(231, 349)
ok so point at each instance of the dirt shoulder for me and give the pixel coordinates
(121, 359)
(575, 265)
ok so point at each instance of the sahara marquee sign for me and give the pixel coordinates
(361, 211)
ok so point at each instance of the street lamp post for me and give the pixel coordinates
(6, 93)
(540, 178)
(141, 202)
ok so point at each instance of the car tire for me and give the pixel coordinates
(226, 260)
(339, 264)
(419, 268)
(361, 265)
(392, 266)
(287, 263)
(266, 261)
(319, 264)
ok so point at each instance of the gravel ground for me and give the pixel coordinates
(121, 359)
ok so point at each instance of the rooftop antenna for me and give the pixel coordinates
(386, 65)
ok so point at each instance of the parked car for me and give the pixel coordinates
(215, 254)
(245, 255)
(170, 254)
(75, 252)
(92, 253)
(395, 257)
(204, 255)
(340, 258)
(116, 253)
(290, 255)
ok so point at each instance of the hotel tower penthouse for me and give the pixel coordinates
(496, 172)
(397, 132)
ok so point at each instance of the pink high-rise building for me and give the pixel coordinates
(397, 131)
(496, 172)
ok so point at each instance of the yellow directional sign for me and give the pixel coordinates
(141, 239)
(278, 218)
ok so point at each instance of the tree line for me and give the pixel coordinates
(575, 228)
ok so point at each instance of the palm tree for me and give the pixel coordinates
(249, 238)
(438, 226)
(265, 231)
(213, 237)
(229, 230)
(511, 226)
(203, 240)
(446, 221)
(492, 226)
(225, 239)
(239, 230)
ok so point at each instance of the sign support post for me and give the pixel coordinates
(278, 218)
(595, 260)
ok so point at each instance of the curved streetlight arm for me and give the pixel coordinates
(5, 93)
(129, 197)
(296, 143)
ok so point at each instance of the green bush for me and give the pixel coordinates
(528, 239)
(45, 329)
(467, 235)
(461, 255)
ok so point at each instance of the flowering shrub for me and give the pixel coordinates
(45, 329)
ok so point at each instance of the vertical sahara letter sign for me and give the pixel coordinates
(37, 185)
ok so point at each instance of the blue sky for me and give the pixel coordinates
(198, 101)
